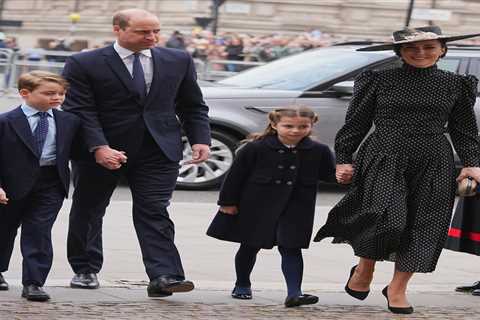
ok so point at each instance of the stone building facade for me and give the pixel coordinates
(356, 19)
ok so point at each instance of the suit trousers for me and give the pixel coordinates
(151, 177)
(36, 214)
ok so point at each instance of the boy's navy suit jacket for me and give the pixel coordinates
(19, 160)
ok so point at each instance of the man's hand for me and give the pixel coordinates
(200, 153)
(344, 173)
(110, 158)
(3, 197)
(231, 210)
(466, 172)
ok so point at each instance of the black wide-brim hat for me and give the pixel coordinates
(409, 35)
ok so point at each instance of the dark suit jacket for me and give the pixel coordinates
(102, 94)
(19, 160)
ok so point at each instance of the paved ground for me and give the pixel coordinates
(208, 263)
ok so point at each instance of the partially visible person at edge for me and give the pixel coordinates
(402, 192)
(134, 99)
(464, 233)
(272, 186)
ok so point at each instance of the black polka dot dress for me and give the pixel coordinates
(400, 202)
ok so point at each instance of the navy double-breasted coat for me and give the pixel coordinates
(275, 190)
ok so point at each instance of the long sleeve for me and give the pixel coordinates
(462, 124)
(80, 101)
(232, 186)
(191, 108)
(359, 118)
(327, 166)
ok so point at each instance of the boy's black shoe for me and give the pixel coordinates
(34, 293)
(474, 286)
(3, 283)
(242, 293)
(300, 300)
(85, 281)
(476, 292)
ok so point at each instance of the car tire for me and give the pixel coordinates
(210, 173)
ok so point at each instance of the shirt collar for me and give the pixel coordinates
(124, 52)
(29, 111)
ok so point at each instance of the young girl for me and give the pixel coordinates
(269, 195)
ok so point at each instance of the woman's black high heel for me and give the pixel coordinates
(360, 295)
(397, 310)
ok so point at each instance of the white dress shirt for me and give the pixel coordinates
(145, 59)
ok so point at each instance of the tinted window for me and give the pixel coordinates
(304, 70)
(474, 69)
(449, 64)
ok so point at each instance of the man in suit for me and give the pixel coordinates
(35, 147)
(134, 100)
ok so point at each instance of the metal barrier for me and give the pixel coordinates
(13, 64)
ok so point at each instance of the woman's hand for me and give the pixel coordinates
(232, 210)
(344, 173)
(466, 172)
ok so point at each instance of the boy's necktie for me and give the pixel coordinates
(139, 76)
(40, 133)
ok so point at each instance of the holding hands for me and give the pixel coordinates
(110, 158)
(231, 210)
(3, 197)
(344, 173)
(466, 172)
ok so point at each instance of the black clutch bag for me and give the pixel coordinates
(224, 227)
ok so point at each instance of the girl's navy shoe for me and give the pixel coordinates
(243, 293)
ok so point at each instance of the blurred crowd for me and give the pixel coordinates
(204, 45)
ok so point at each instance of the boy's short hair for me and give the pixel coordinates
(33, 79)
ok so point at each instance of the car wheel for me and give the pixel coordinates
(210, 173)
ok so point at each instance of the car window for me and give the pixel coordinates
(449, 64)
(304, 70)
(474, 69)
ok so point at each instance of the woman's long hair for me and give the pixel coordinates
(276, 115)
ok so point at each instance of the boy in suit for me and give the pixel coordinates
(35, 146)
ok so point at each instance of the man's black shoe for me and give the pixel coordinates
(474, 286)
(300, 300)
(164, 286)
(34, 293)
(3, 283)
(85, 281)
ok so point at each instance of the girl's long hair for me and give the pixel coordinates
(276, 115)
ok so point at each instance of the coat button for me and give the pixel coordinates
(278, 181)
(280, 166)
(289, 183)
(293, 167)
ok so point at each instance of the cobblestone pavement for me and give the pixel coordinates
(198, 311)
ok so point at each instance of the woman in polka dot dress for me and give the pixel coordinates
(403, 180)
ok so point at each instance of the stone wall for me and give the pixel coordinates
(356, 19)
